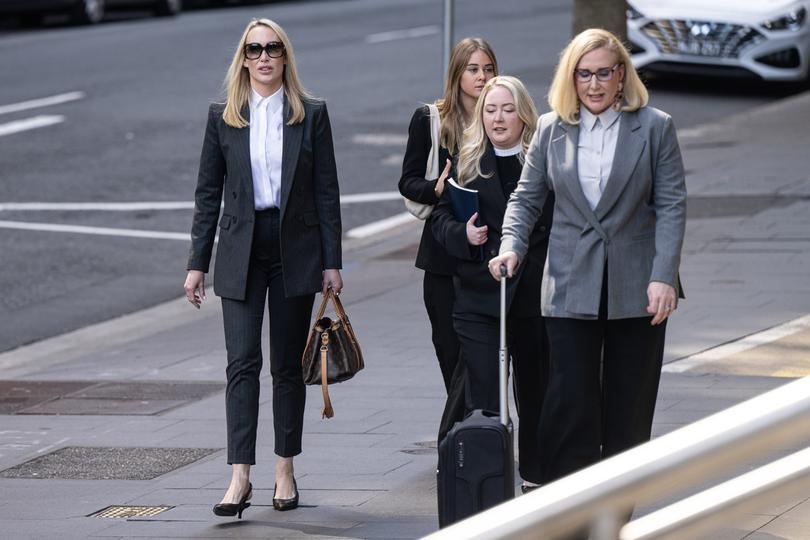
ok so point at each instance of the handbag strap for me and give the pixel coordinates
(433, 168)
(327, 411)
(331, 295)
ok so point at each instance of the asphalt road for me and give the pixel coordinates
(134, 132)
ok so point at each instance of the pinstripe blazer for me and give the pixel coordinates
(635, 232)
(310, 232)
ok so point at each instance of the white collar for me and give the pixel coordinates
(518, 148)
(273, 101)
(607, 118)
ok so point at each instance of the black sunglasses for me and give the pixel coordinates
(274, 49)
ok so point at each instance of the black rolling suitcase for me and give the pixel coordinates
(476, 459)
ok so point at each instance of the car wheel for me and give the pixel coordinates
(88, 12)
(168, 7)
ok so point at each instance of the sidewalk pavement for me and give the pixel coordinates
(154, 379)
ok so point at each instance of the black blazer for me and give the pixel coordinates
(310, 232)
(431, 256)
(476, 291)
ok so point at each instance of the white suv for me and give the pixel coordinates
(769, 39)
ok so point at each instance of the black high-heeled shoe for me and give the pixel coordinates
(285, 504)
(235, 509)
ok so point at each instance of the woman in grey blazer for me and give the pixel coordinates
(611, 275)
(268, 160)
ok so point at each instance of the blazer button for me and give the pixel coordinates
(542, 228)
(234, 219)
(234, 194)
(492, 253)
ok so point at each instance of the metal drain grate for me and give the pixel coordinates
(83, 463)
(123, 512)
(100, 398)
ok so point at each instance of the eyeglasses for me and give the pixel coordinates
(603, 75)
(274, 49)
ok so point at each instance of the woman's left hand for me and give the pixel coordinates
(663, 301)
(332, 280)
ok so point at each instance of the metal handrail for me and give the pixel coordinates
(672, 462)
(688, 518)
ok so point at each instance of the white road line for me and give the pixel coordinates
(114, 207)
(735, 347)
(42, 102)
(407, 33)
(380, 226)
(380, 139)
(377, 196)
(30, 123)
(354, 198)
(103, 231)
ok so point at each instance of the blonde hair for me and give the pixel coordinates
(451, 108)
(475, 136)
(562, 96)
(237, 79)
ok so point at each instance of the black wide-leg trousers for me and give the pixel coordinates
(602, 389)
(479, 338)
(289, 328)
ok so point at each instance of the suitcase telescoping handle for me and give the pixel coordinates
(504, 355)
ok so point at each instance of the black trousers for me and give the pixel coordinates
(289, 328)
(602, 389)
(479, 337)
(439, 295)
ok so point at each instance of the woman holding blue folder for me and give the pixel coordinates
(490, 161)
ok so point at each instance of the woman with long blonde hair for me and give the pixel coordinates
(490, 161)
(472, 64)
(268, 160)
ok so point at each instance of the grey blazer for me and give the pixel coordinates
(310, 236)
(636, 229)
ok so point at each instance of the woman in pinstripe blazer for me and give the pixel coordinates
(611, 275)
(268, 159)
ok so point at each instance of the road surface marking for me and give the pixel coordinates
(354, 198)
(382, 225)
(103, 231)
(378, 196)
(42, 102)
(380, 139)
(735, 347)
(115, 207)
(30, 123)
(408, 33)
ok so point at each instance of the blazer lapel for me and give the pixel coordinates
(629, 147)
(241, 148)
(565, 150)
(292, 135)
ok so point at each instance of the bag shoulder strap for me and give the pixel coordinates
(432, 170)
(327, 411)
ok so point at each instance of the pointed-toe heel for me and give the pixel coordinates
(234, 509)
(286, 504)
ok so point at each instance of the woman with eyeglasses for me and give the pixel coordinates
(490, 162)
(268, 160)
(472, 64)
(611, 276)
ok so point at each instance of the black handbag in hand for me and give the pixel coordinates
(332, 354)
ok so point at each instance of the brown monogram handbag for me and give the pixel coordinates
(332, 354)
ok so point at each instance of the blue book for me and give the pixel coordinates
(465, 204)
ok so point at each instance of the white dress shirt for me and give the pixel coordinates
(266, 138)
(595, 150)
